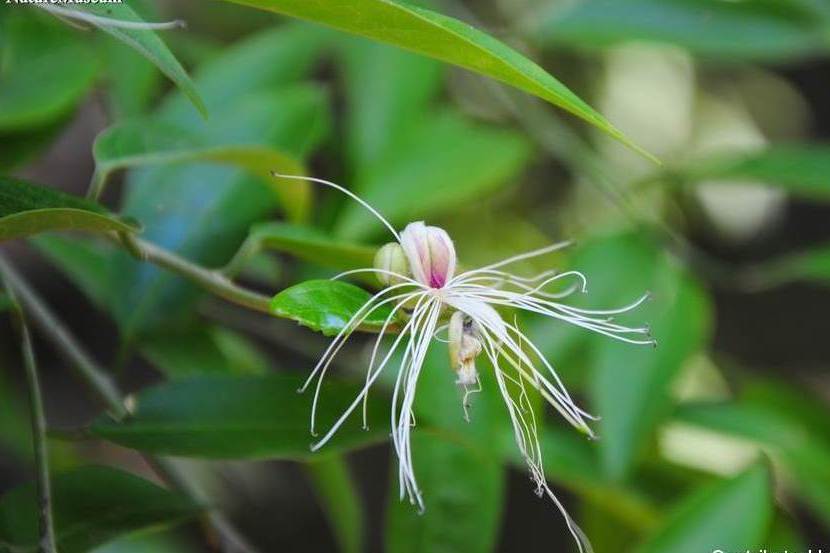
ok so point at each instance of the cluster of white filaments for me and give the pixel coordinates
(422, 289)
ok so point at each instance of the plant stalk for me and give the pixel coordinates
(213, 281)
(41, 453)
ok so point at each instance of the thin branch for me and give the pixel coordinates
(212, 280)
(38, 419)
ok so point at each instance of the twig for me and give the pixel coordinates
(95, 377)
(44, 492)
(214, 281)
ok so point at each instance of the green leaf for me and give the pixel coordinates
(37, 54)
(226, 417)
(199, 349)
(462, 488)
(27, 209)
(327, 306)
(92, 505)
(387, 89)
(146, 142)
(148, 44)
(811, 265)
(405, 188)
(267, 60)
(784, 535)
(308, 244)
(210, 230)
(340, 499)
(799, 170)
(731, 515)
(785, 420)
(631, 384)
(133, 80)
(251, 92)
(753, 30)
(432, 34)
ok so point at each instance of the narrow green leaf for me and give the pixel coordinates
(327, 306)
(732, 515)
(37, 54)
(252, 92)
(462, 488)
(786, 421)
(310, 244)
(148, 44)
(387, 89)
(92, 505)
(209, 231)
(811, 265)
(753, 30)
(631, 384)
(27, 209)
(227, 417)
(199, 349)
(799, 170)
(266, 60)
(432, 34)
(405, 188)
(340, 499)
(147, 142)
(133, 80)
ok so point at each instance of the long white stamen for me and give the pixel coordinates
(345, 191)
(353, 323)
(425, 318)
(400, 305)
(404, 278)
(528, 443)
(515, 258)
(500, 279)
(349, 327)
(349, 410)
(560, 311)
(100, 21)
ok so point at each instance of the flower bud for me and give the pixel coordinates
(430, 252)
(391, 257)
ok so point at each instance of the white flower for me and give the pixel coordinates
(430, 290)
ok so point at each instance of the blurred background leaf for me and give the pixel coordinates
(733, 514)
(92, 505)
(227, 417)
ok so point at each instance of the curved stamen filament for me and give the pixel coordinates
(514, 259)
(345, 191)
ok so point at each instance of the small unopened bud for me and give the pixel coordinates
(464, 348)
(431, 254)
(391, 258)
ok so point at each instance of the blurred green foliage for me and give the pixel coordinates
(695, 453)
